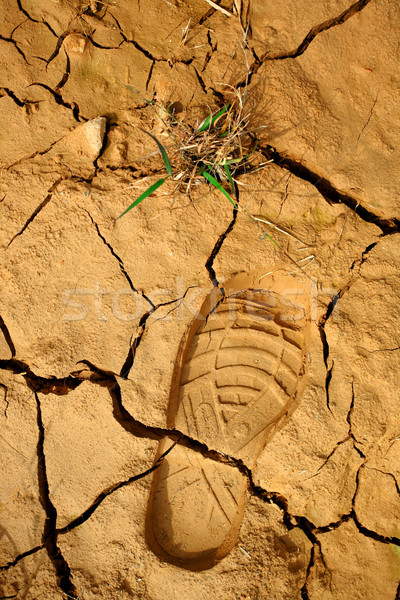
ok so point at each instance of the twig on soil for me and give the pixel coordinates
(217, 7)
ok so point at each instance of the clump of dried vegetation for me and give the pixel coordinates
(218, 150)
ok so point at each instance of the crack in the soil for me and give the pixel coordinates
(374, 535)
(14, 97)
(381, 349)
(201, 81)
(73, 106)
(331, 194)
(30, 18)
(63, 571)
(150, 75)
(206, 16)
(290, 521)
(210, 52)
(6, 401)
(65, 76)
(218, 245)
(36, 153)
(304, 590)
(37, 210)
(314, 31)
(389, 475)
(134, 344)
(175, 301)
(87, 35)
(352, 515)
(350, 436)
(20, 557)
(120, 262)
(25, 12)
(302, 47)
(110, 490)
(329, 372)
(285, 195)
(36, 383)
(137, 173)
(355, 271)
(60, 40)
(147, 53)
(367, 121)
(128, 364)
(361, 528)
(14, 43)
(7, 336)
(97, 45)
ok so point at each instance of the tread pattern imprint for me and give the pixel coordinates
(239, 375)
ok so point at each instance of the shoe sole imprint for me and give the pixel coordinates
(239, 374)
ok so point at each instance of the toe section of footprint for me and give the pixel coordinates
(239, 374)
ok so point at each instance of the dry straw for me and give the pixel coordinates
(218, 150)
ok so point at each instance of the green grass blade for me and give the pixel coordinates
(137, 92)
(143, 196)
(219, 187)
(276, 244)
(205, 124)
(163, 152)
(210, 120)
(221, 112)
(233, 161)
(229, 176)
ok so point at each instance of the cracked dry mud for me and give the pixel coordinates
(287, 483)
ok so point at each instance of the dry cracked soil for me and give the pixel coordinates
(103, 493)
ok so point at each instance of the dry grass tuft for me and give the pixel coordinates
(218, 150)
